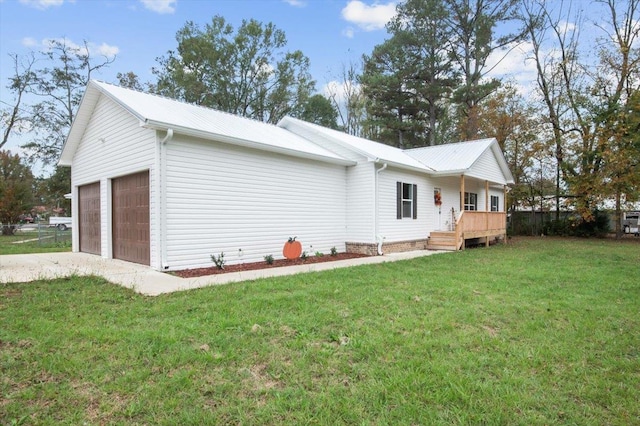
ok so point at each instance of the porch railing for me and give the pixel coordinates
(474, 224)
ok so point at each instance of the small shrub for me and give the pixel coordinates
(304, 255)
(334, 251)
(219, 260)
(269, 259)
(319, 254)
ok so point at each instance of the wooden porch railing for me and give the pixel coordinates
(474, 224)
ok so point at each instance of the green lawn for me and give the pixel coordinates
(32, 241)
(536, 332)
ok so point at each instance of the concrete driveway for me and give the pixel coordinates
(144, 280)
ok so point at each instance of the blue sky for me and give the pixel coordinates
(332, 33)
(329, 32)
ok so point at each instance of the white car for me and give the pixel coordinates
(62, 223)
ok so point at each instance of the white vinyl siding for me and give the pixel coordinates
(487, 168)
(474, 186)
(361, 203)
(390, 227)
(247, 203)
(113, 145)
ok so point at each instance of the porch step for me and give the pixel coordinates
(442, 240)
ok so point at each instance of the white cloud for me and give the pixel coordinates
(368, 17)
(338, 90)
(103, 49)
(43, 4)
(295, 3)
(348, 32)
(29, 42)
(106, 50)
(565, 28)
(160, 6)
(515, 64)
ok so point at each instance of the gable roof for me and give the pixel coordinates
(290, 136)
(159, 113)
(459, 158)
(373, 151)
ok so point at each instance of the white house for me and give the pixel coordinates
(168, 184)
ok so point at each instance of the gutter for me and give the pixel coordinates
(379, 238)
(247, 143)
(161, 209)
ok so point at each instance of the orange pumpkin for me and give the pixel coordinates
(292, 249)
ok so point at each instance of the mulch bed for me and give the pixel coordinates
(190, 273)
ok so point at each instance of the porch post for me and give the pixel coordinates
(504, 191)
(504, 208)
(486, 195)
(461, 192)
(486, 210)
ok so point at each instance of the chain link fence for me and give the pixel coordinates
(40, 234)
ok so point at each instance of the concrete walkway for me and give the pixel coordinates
(142, 279)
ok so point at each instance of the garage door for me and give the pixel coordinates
(130, 201)
(89, 218)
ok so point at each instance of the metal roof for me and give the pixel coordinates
(459, 157)
(451, 156)
(290, 136)
(161, 113)
(374, 151)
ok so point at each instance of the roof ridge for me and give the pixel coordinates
(204, 107)
(449, 144)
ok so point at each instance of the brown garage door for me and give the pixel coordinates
(89, 214)
(130, 200)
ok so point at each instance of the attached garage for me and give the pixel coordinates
(89, 214)
(130, 218)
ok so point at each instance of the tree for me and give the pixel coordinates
(473, 24)
(129, 80)
(430, 47)
(587, 103)
(348, 100)
(409, 78)
(50, 191)
(515, 124)
(394, 104)
(621, 158)
(319, 110)
(551, 85)
(15, 190)
(60, 86)
(247, 73)
(18, 84)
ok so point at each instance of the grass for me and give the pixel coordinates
(48, 240)
(538, 332)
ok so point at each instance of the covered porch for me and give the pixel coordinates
(475, 221)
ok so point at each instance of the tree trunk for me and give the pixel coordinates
(8, 229)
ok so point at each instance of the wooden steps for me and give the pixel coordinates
(442, 240)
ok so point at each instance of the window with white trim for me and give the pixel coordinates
(470, 201)
(407, 202)
(495, 203)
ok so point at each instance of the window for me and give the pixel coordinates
(407, 203)
(495, 203)
(470, 201)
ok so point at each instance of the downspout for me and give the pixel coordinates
(162, 204)
(379, 238)
(168, 137)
